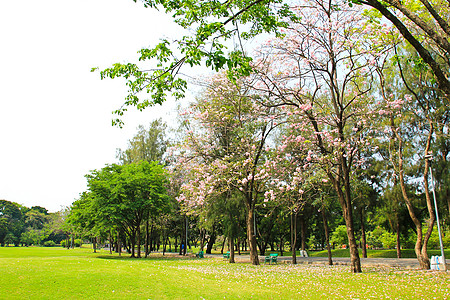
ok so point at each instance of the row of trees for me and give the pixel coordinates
(20, 225)
(338, 107)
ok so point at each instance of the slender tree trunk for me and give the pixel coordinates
(327, 236)
(147, 238)
(119, 244)
(231, 243)
(202, 240)
(138, 240)
(132, 244)
(294, 237)
(94, 244)
(238, 245)
(363, 232)
(397, 229)
(223, 244)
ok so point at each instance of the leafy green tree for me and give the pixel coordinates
(12, 214)
(125, 195)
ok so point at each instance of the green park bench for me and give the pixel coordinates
(226, 255)
(272, 258)
(200, 255)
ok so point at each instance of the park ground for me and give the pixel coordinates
(58, 273)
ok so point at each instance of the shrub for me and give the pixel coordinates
(49, 244)
(78, 242)
(389, 240)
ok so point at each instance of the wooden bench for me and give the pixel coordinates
(272, 258)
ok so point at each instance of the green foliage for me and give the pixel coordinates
(212, 26)
(148, 144)
(77, 242)
(49, 244)
(339, 235)
(121, 197)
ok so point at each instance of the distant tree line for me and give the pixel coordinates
(20, 225)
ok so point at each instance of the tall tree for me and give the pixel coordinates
(127, 195)
(227, 148)
(321, 73)
(148, 144)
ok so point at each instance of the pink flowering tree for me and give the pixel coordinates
(225, 145)
(321, 75)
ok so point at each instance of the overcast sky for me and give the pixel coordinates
(55, 115)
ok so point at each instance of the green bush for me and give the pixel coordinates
(49, 244)
(389, 240)
(78, 242)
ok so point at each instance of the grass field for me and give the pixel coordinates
(57, 273)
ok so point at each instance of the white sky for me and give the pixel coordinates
(55, 116)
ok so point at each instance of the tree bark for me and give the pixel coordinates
(363, 232)
(231, 243)
(294, 237)
(138, 240)
(399, 252)
(223, 244)
(147, 238)
(303, 232)
(211, 241)
(251, 235)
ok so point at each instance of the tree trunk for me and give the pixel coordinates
(354, 254)
(223, 244)
(327, 236)
(399, 252)
(147, 238)
(94, 244)
(202, 239)
(344, 196)
(238, 245)
(231, 245)
(294, 237)
(119, 244)
(303, 232)
(363, 232)
(138, 238)
(211, 242)
(251, 235)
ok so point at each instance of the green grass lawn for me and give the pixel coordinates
(57, 273)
